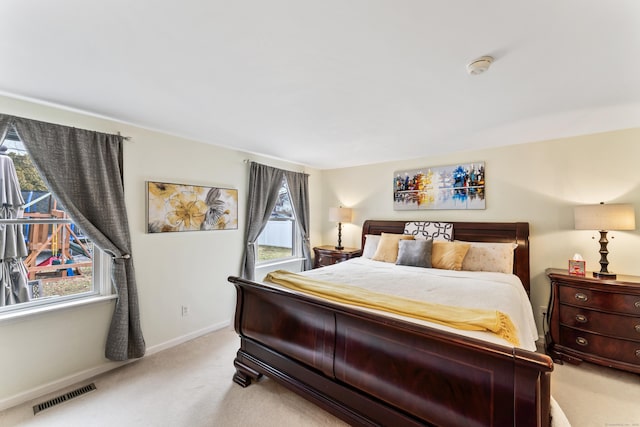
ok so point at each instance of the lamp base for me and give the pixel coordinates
(604, 272)
(339, 247)
(601, 275)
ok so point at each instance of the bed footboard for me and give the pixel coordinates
(369, 369)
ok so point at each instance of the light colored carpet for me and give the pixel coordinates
(190, 385)
(593, 395)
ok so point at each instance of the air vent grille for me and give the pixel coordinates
(63, 398)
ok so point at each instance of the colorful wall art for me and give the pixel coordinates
(181, 207)
(442, 187)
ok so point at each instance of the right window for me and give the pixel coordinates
(280, 239)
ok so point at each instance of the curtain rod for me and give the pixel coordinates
(247, 161)
(13, 133)
(126, 138)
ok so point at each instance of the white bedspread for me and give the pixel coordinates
(494, 291)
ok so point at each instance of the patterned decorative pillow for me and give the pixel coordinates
(496, 257)
(370, 245)
(429, 230)
(415, 253)
(387, 250)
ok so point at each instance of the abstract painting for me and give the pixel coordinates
(443, 187)
(181, 207)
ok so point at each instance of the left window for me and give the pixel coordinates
(45, 258)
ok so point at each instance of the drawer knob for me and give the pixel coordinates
(583, 319)
(582, 341)
(638, 329)
(582, 297)
(638, 353)
(637, 304)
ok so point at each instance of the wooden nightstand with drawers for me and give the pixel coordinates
(328, 255)
(595, 320)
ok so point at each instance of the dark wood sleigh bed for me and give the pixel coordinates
(370, 369)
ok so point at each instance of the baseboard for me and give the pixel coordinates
(184, 338)
(58, 384)
(78, 377)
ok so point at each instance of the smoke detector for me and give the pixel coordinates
(480, 65)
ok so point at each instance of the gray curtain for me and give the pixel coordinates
(298, 184)
(84, 170)
(264, 186)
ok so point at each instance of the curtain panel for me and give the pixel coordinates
(299, 191)
(264, 186)
(84, 170)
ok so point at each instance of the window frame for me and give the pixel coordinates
(296, 237)
(102, 290)
(100, 272)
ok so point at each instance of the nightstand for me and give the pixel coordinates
(328, 255)
(596, 320)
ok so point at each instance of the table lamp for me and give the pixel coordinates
(604, 218)
(340, 215)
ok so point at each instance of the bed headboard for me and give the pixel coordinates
(502, 232)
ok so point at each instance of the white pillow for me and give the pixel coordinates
(370, 245)
(429, 230)
(497, 257)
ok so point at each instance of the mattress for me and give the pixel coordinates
(471, 289)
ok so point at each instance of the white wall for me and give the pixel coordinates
(48, 351)
(539, 183)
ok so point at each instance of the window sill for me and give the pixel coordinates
(49, 308)
(269, 264)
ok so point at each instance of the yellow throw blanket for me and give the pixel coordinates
(470, 319)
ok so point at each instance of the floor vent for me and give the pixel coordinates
(63, 398)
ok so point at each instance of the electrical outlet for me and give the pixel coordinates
(185, 310)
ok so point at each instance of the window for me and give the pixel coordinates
(61, 264)
(280, 239)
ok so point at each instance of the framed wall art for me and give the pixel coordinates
(182, 207)
(443, 187)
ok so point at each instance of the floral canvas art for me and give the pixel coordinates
(180, 207)
(458, 186)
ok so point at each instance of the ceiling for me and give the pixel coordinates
(333, 83)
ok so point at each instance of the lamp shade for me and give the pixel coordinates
(340, 214)
(605, 217)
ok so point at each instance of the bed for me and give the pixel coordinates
(370, 368)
